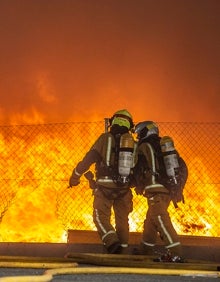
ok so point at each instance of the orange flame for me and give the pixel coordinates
(41, 208)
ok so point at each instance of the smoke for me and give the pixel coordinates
(82, 60)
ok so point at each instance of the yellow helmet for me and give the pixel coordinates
(122, 118)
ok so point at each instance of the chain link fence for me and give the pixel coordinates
(36, 162)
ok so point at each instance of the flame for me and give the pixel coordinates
(41, 208)
(32, 116)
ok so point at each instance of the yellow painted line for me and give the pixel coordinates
(35, 278)
(23, 264)
(130, 270)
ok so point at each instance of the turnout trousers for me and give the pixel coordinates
(158, 221)
(121, 202)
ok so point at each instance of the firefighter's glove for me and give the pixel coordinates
(74, 179)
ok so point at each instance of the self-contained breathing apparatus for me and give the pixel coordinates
(171, 170)
(170, 158)
(119, 147)
(124, 147)
(125, 158)
(176, 170)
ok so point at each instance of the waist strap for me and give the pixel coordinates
(105, 179)
(152, 186)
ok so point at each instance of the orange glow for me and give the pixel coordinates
(82, 62)
(35, 170)
(32, 116)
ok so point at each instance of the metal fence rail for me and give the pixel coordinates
(36, 162)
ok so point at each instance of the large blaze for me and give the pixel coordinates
(79, 60)
(36, 204)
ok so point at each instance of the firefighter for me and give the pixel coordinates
(157, 219)
(112, 154)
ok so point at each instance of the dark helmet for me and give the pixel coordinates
(146, 128)
(122, 118)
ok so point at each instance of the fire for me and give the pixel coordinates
(37, 205)
(29, 117)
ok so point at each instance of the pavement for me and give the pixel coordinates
(103, 267)
(17, 274)
(17, 265)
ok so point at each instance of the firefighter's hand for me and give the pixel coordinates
(74, 180)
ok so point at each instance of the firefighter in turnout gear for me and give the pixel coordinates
(113, 156)
(157, 219)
